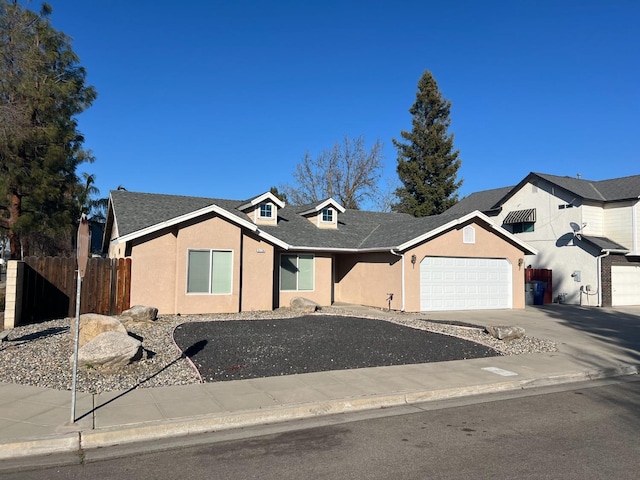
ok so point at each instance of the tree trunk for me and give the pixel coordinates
(15, 210)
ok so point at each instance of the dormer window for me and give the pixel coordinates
(266, 210)
(263, 209)
(323, 214)
(327, 215)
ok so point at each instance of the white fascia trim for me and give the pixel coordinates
(262, 198)
(340, 250)
(528, 250)
(320, 206)
(195, 214)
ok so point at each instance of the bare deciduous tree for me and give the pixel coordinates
(348, 172)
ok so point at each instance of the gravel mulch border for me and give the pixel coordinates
(39, 354)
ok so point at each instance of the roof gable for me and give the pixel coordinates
(319, 206)
(268, 196)
(612, 190)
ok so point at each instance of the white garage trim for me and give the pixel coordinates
(459, 283)
(625, 285)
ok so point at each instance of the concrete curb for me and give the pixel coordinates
(93, 439)
(51, 445)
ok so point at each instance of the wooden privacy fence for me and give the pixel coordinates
(49, 287)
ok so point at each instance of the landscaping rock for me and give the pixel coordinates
(140, 313)
(93, 324)
(305, 305)
(504, 332)
(109, 351)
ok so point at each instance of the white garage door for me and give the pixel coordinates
(625, 285)
(452, 283)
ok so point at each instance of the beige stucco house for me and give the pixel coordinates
(202, 255)
(586, 232)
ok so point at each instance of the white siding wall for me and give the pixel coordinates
(553, 238)
(593, 216)
(618, 223)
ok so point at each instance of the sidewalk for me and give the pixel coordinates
(593, 343)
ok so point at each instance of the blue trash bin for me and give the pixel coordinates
(538, 293)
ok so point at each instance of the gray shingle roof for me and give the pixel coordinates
(356, 229)
(485, 201)
(135, 211)
(615, 189)
(604, 243)
(612, 190)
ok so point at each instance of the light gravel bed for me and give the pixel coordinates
(39, 354)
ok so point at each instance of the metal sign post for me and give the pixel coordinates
(82, 255)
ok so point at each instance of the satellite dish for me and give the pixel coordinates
(577, 229)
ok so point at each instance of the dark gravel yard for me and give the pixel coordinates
(240, 349)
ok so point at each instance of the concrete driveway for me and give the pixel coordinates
(596, 336)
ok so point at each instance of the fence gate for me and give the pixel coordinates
(49, 287)
(543, 275)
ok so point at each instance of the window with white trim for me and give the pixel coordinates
(266, 210)
(210, 271)
(468, 234)
(327, 215)
(296, 272)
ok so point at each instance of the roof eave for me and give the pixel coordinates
(528, 250)
(195, 214)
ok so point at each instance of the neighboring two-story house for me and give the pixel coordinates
(586, 232)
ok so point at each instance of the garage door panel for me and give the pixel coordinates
(625, 285)
(458, 283)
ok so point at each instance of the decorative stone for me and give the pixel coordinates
(304, 305)
(140, 313)
(109, 351)
(93, 324)
(504, 332)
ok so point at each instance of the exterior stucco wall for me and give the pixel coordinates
(159, 269)
(322, 293)
(209, 233)
(450, 244)
(153, 270)
(368, 279)
(257, 275)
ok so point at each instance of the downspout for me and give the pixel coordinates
(599, 270)
(401, 255)
(634, 227)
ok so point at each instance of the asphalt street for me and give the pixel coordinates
(588, 432)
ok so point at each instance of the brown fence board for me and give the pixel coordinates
(49, 287)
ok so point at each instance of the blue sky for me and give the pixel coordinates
(223, 98)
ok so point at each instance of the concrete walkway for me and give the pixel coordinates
(593, 343)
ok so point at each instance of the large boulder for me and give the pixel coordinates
(505, 332)
(304, 305)
(139, 313)
(93, 324)
(109, 351)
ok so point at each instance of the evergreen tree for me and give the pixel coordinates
(42, 89)
(427, 162)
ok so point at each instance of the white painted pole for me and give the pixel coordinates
(76, 341)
